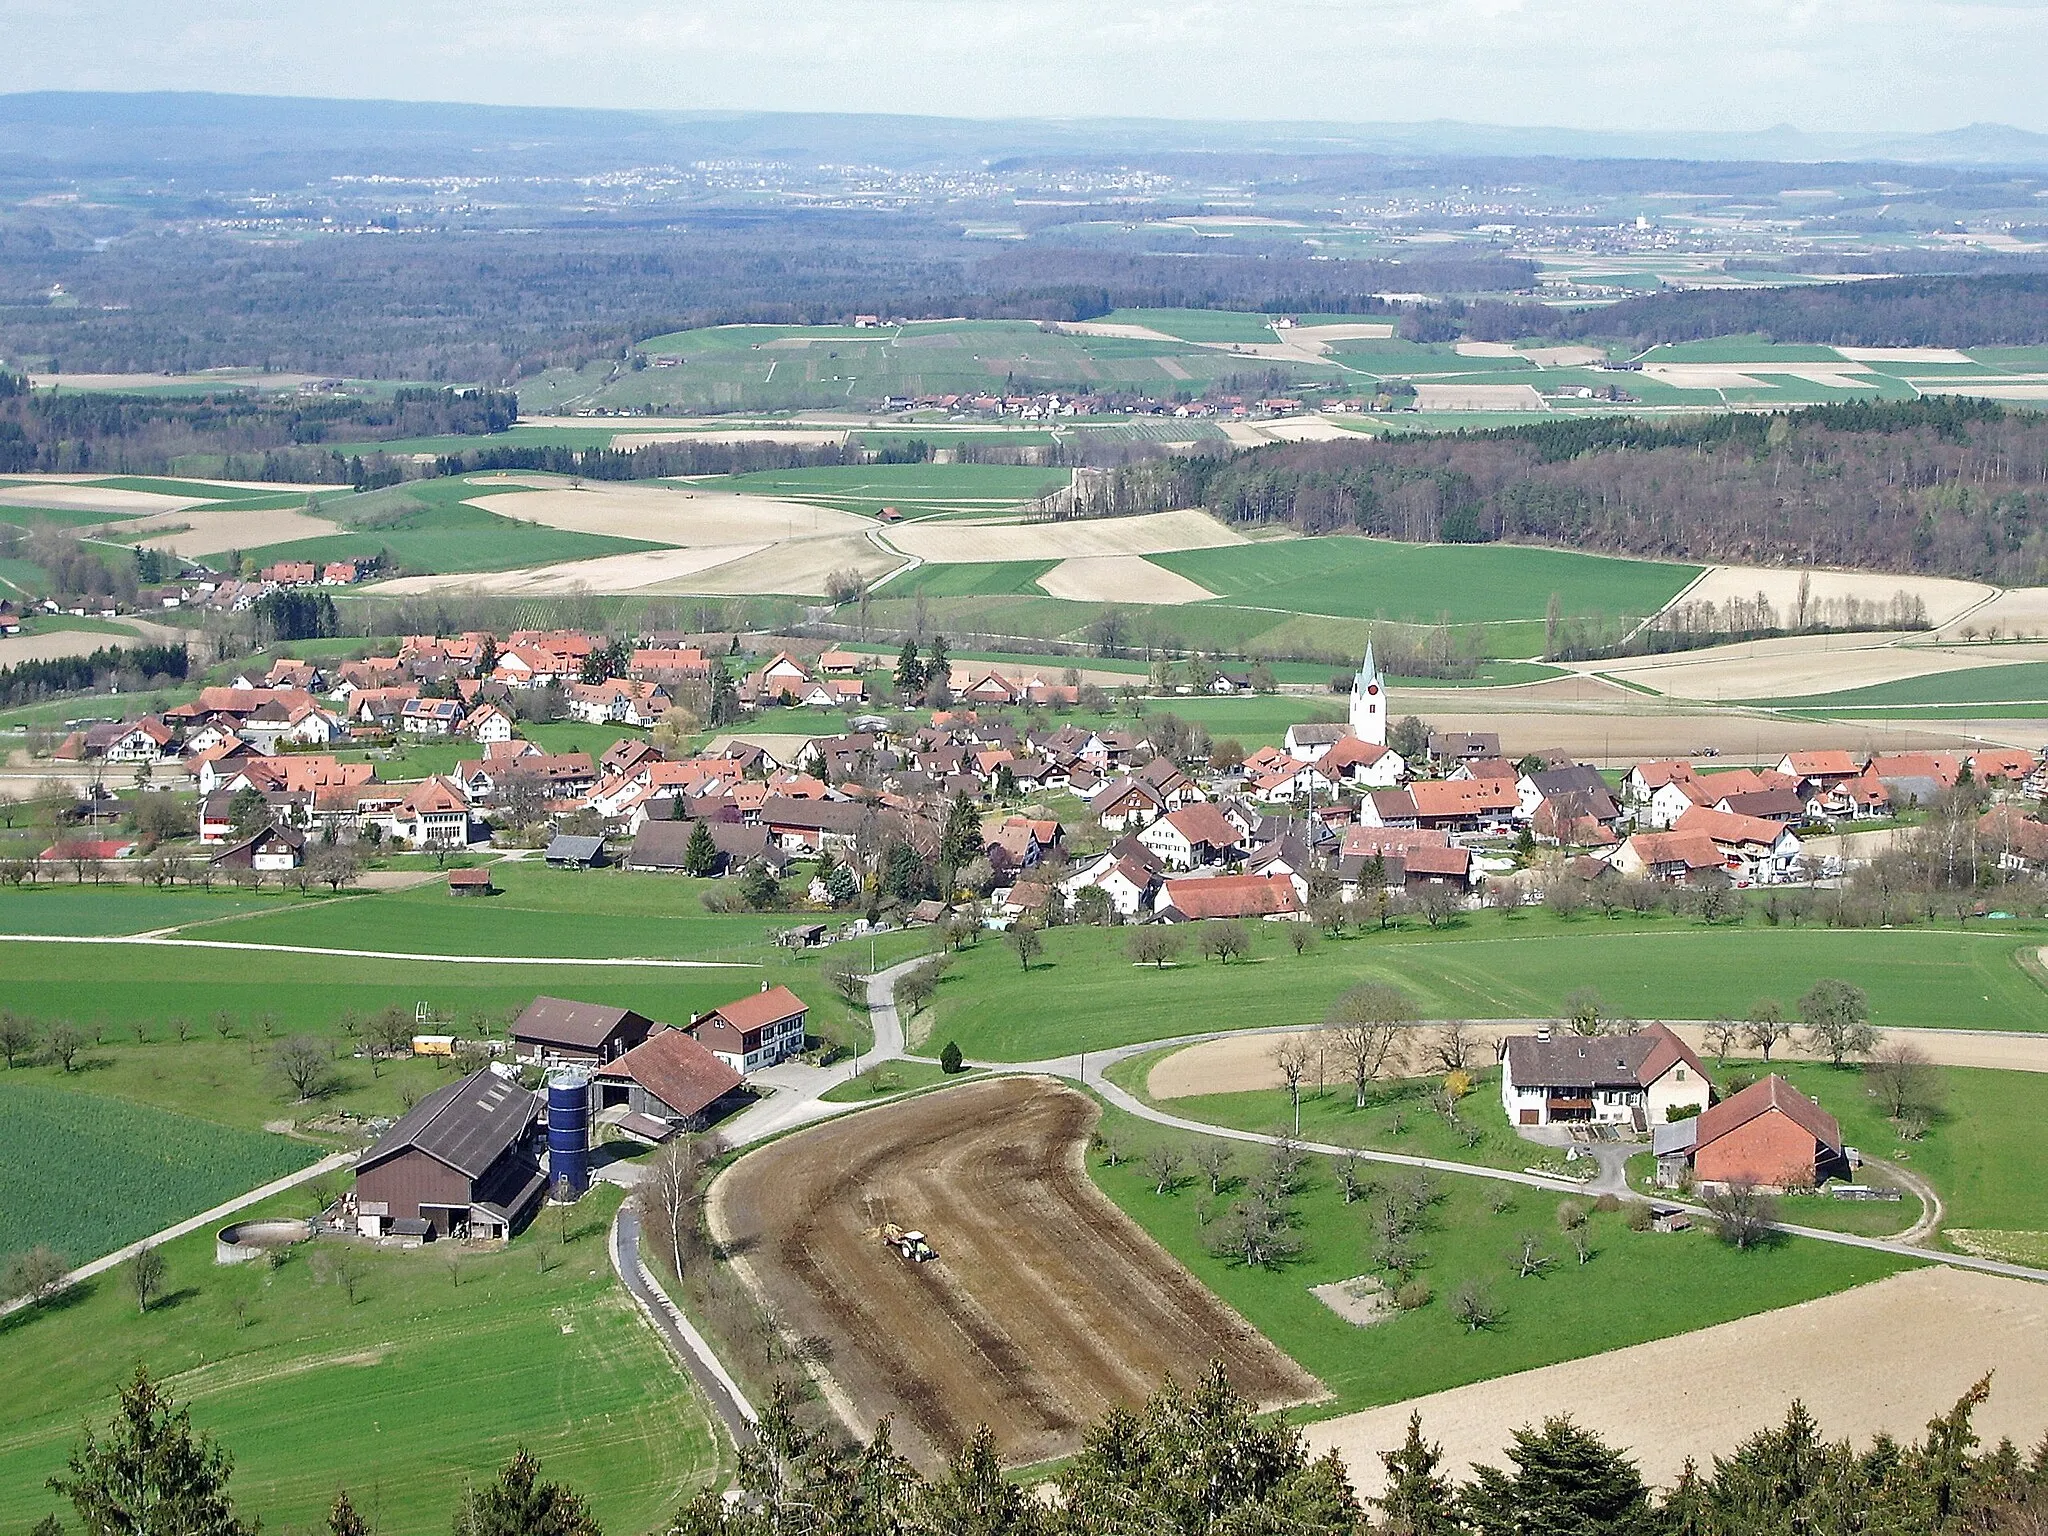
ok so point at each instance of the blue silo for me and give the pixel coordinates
(568, 1131)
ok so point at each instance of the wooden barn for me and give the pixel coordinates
(463, 1161)
(555, 1029)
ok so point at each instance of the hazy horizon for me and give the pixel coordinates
(1589, 65)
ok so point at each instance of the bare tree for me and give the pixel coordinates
(1837, 1019)
(1743, 1214)
(1722, 1036)
(1154, 944)
(1162, 1165)
(1438, 904)
(1528, 1256)
(18, 1036)
(66, 1041)
(1212, 1160)
(1352, 1179)
(145, 1270)
(1454, 1046)
(304, 1064)
(37, 1275)
(343, 1265)
(1301, 937)
(1292, 1059)
(1472, 1304)
(1584, 1012)
(1766, 1026)
(668, 1196)
(1025, 941)
(1367, 1026)
(843, 973)
(1904, 1081)
(1225, 939)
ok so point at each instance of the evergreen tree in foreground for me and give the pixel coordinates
(149, 1474)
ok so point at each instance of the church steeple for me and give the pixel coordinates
(1369, 702)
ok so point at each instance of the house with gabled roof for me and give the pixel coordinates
(754, 1031)
(555, 1029)
(1770, 1134)
(1191, 836)
(669, 1077)
(465, 1160)
(1630, 1080)
(1195, 898)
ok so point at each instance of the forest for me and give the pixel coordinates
(52, 431)
(1993, 309)
(1949, 487)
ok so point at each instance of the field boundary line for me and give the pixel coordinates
(370, 954)
(105, 1262)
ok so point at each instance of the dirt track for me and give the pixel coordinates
(1045, 1307)
(1882, 1357)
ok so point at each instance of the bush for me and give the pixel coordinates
(1413, 1294)
(1607, 1204)
(1640, 1217)
(950, 1060)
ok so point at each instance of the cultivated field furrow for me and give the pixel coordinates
(1045, 1307)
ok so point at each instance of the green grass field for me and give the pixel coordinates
(2023, 682)
(453, 539)
(1638, 1286)
(910, 488)
(426, 1383)
(111, 909)
(1000, 578)
(1415, 583)
(1085, 993)
(87, 1174)
(1210, 325)
(589, 915)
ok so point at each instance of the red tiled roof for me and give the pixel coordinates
(1773, 1093)
(677, 1070)
(1233, 896)
(759, 1008)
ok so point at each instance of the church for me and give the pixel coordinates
(1369, 703)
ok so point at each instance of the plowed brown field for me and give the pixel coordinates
(1045, 1307)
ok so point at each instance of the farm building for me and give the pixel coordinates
(569, 851)
(463, 1160)
(274, 850)
(661, 846)
(1769, 1134)
(470, 882)
(668, 1077)
(754, 1031)
(555, 1029)
(1613, 1079)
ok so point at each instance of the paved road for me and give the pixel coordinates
(683, 1340)
(796, 1100)
(120, 1256)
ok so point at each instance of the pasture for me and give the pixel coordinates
(1353, 577)
(86, 1174)
(427, 1380)
(2013, 683)
(1005, 578)
(1085, 993)
(1637, 1286)
(913, 489)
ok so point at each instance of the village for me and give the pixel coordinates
(1025, 813)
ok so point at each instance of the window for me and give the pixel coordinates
(1679, 1076)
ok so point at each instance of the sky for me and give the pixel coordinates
(1819, 65)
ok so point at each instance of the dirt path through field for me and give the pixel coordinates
(1885, 1357)
(1045, 1307)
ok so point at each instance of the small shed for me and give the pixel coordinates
(568, 851)
(470, 882)
(804, 936)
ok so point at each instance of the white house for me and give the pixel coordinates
(1602, 1079)
(1191, 836)
(430, 717)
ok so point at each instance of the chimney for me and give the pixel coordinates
(764, 986)
(1543, 1031)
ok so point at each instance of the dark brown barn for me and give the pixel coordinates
(555, 1029)
(465, 1159)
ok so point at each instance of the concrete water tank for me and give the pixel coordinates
(568, 1131)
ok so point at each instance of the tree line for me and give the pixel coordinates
(1938, 486)
(141, 666)
(1194, 1458)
